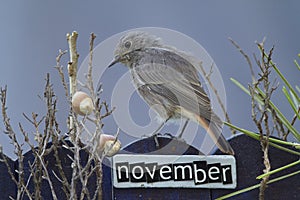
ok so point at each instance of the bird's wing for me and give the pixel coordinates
(175, 78)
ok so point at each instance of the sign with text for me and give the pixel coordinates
(174, 171)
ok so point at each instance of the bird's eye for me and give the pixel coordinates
(127, 44)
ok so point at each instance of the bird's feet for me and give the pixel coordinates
(174, 137)
(155, 137)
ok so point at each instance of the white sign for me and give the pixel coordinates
(175, 171)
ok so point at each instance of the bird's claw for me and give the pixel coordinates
(174, 137)
(154, 137)
(169, 135)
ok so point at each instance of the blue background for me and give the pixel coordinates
(32, 32)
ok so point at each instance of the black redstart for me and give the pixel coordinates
(168, 81)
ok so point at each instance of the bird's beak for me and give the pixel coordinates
(115, 60)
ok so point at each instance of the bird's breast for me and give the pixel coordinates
(137, 79)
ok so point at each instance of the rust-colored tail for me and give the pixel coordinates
(215, 133)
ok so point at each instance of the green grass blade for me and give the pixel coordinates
(296, 102)
(278, 169)
(257, 136)
(257, 186)
(272, 141)
(297, 88)
(237, 83)
(296, 63)
(283, 78)
(282, 117)
(291, 101)
(286, 149)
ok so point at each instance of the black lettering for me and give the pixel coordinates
(200, 172)
(122, 171)
(214, 173)
(137, 172)
(226, 174)
(152, 172)
(165, 172)
(183, 171)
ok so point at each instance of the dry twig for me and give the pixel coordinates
(46, 130)
(207, 77)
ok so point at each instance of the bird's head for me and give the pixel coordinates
(133, 41)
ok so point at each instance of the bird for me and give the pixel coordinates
(168, 81)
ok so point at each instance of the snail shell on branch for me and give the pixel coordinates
(82, 103)
(109, 145)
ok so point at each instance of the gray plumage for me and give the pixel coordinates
(166, 76)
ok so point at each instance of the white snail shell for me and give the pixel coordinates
(82, 103)
(109, 145)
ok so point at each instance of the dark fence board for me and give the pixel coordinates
(249, 159)
(248, 156)
(7, 186)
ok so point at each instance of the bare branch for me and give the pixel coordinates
(59, 67)
(207, 77)
(72, 66)
(245, 56)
